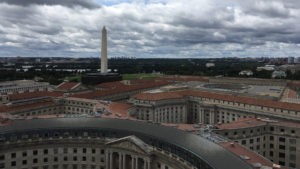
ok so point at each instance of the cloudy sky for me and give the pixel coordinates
(150, 28)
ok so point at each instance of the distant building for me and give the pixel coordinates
(297, 60)
(246, 73)
(22, 86)
(291, 60)
(278, 74)
(208, 65)
(266, 67)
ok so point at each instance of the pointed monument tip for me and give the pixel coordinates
(103, 27)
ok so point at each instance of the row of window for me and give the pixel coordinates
(62, 166)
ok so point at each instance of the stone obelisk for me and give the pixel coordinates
(104, 51)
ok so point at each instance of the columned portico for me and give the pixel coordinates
(125, 160)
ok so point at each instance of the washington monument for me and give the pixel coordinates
(104, 51)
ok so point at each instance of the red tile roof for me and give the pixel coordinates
(67, 85)
(141, 81)
(118, 110)
(5, 108)
(158, 96)
(110, 85)
(28, 95)
(184, 79)
(125, 88)
(254, 122)
(292, 94)
(294, 83)
(242, 123)
(219, 96)
(5, 119)
(243, 151)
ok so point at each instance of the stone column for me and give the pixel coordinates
(111, 160)
(124, 160)
(106, 159)
(132, 162)
(148, 164)
(201, 116)
(136, 163)
(211, 117)
(120, 160)
(144, 163)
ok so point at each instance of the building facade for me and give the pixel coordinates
(96, 143)
(277, 141)
(207, 107)
(22, 86)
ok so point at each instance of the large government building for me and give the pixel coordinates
(166, 123)
(98, 143)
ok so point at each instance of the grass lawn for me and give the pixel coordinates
(75, 78)
(140, 76)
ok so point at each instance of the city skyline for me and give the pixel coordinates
(150, 29)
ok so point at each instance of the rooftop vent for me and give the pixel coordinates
(244, 157)
(265, 167)
(256, 165)
(276, 166)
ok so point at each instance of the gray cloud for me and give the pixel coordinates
(176, 29)
(70, 3)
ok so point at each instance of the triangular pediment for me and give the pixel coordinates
(132, 143)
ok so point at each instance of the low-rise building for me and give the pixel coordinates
(22, 86)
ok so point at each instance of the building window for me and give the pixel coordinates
(13, 163)
(45, 151)
(292, 157)
(281, 139)
(13, 155)
(34, 152)
(24, 154)
(24, 162)
(35, 160)
(292, 148)
(2, 157)
(292, 141)
(292, 165)
(281, 147)
(281, 155)
(55, 159)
